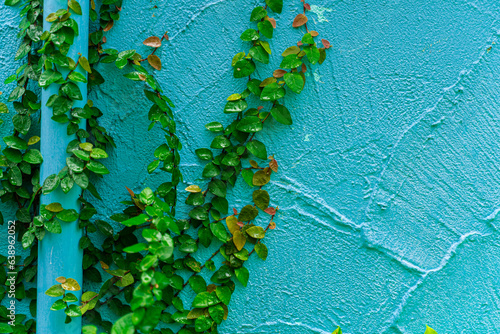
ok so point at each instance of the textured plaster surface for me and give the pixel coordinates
(388, 183)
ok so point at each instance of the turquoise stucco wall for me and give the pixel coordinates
(388, 180)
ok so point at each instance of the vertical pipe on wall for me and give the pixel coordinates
(59, 254)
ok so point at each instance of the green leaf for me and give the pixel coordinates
(249, 35)
(28, 238)
(291, 61)
(258, 13)
(217, 187)
(72, 91)
(250, 124)
(281, 114)
(98, 153)
(258, 53)
(53, 226)
(75, 6)
(137, 220)
(124, 325)
(81, 179)
(256, 232)
(58, 305)
(75, 164)
(15, 142)
(50, 183)
(247, 176)
(224, 294)
(220, 142)
(11, 3)
(312, 53)
(216, 313)
(55, 291)
(199, 213)
(3, 108)
(261, 250)
(97, 167)
(294, 81)
(48, 77)
(22, 123)
(214, 126)
(235, 106)
(210, 171)
(70, 298)
(243, 68)
(266, 28)
(205, 299)
(204, 154)
(202, 323)
(242, 275)
(220, 204)
(272, 92)
(275, 5)
(261, 198)
(77, 77)
(307, 39)
(258, 149)
(219, 231)
(197, 283)
(69, 215)
(135, 248)
(248, 213)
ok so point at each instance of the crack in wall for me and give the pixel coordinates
(444, 261)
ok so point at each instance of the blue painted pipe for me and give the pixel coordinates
(59, 254)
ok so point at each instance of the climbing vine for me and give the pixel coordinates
(144, 264)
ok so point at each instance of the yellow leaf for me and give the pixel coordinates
(61, 279)
(234, 97)
(193, 189)
(239, 239)
(33, 140)
(104, 265)
(154, 61)
(429, 330)
(71, 285)
(86, 146)
(232, 224)
(54, 207)
(152, 41)
(84, 63)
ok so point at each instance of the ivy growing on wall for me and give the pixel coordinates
(153, 278)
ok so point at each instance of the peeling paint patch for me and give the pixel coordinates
(320, 12)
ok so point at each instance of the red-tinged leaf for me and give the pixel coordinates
(273, 21)
(273, 164)
(272, 225)
(259, 107)
(104, 265)
(270, 211)
(299, 20)
(61, 279)
(154, 61)
(240, 224)
(314, 33)
(304, 68)
(166, 36)
(299, 43)
(104, 40)
(152, 41)
(109, 26)
(326, 44)
(235, 211)
(142, 77)
(130, 191)
(307, 6)
(279, 73)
